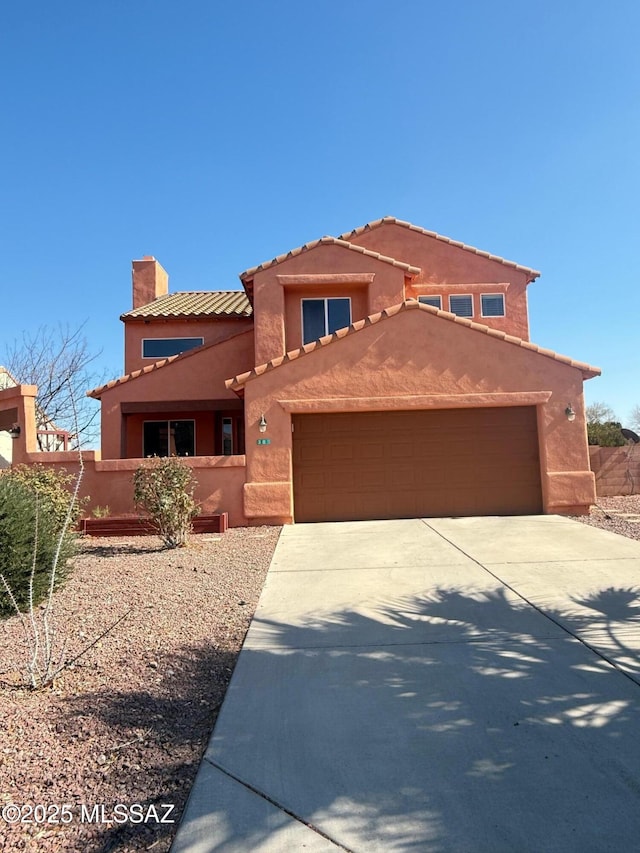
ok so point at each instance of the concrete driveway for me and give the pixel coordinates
(432, 685)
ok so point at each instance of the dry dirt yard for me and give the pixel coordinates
(130, 722)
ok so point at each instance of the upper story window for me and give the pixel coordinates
(164, 347)
(435, 301)
(461, 305)
(323, 317)
(492, 304)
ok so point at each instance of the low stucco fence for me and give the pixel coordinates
(221, 479)
(109, 482)
(617, 469)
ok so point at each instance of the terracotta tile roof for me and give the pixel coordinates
(195, 303)
(96, 392)
(370, 226)
(237, 382)
(247, 274)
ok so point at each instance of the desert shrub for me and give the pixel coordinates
(164, 489)
(53, 486)
(31, 529)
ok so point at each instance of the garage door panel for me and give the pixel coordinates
(341, 452)
(416, 463)
(368, 452)
(314, 480)
(310, 453)
(372, 479)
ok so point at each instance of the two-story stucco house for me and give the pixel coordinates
(384, 373)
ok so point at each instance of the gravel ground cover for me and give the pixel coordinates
(128, 724)
(619, 515)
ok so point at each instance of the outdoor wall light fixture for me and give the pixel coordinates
(262, 423)
(14, 432)
(571, 415)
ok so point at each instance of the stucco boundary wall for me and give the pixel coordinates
(616, 469)
(220, 481)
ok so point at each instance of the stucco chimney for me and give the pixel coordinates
(150, 280)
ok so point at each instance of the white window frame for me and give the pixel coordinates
(167, 421)
(504, 305)
(172, 338)
(459, 296)
(230, 422)
(425, 296)
(324, 299)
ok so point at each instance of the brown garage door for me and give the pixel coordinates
(444, 462)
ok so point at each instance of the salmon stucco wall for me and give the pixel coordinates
(448, 269)
(212, 331)
(189, 377)
(416, 359)
(277, 317)
(220, 481)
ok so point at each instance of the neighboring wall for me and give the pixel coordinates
(5, 450)
(617, 469)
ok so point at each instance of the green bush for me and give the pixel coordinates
(31, 523)
(164, 489)
(55, 487)
(606, 434)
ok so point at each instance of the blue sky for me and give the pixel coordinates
(217, 135)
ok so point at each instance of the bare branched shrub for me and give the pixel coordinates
(59, 361)
(164, 488)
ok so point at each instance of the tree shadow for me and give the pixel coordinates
(455, 719)
(147, 546)
(463, 708)
(614, 604)
(158, 732)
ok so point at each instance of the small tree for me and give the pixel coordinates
(602, 427)
(607, 434)
(635, 418)
(164, 489)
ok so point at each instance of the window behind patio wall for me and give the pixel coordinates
(169, 438)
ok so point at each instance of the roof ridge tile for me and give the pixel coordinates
(376, 223)
(327, 240)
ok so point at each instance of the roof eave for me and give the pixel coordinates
(237, 382)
